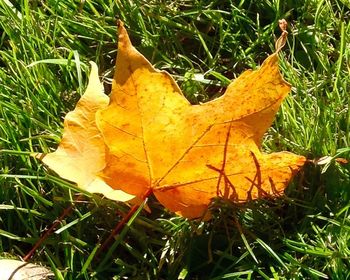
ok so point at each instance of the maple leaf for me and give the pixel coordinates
(80, 156)
(188, 154)
(154, 140)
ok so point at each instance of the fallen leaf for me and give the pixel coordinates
(149, 138)
(188, 154)
(18, 270)
(80, 156)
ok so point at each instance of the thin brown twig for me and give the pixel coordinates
(47, 233)
(122, 223)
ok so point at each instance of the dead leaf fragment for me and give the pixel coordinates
(342, 160)
(18, 270)
(80, 155)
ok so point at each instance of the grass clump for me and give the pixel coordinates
(45, 47)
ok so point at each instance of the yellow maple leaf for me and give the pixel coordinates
(188, 154)
(154, 140)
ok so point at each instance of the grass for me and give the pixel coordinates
(45, 47)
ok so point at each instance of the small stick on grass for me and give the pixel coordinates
(47, 233)
(121, 224)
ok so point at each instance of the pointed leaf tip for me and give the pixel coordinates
(123, 36)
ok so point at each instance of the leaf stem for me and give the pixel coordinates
(121, 224)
